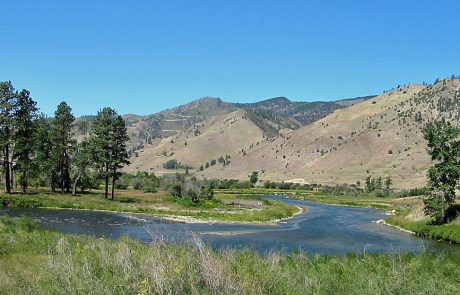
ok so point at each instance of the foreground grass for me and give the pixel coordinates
(33, 261)
(160, 203)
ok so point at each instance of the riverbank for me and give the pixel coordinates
(223, 208)
(35, 261)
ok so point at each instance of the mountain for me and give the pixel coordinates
(381, 136)
(272, 116)
(208, 129)
(337, 142)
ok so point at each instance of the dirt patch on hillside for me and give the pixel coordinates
(416, 206)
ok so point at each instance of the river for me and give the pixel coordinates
(322, 229)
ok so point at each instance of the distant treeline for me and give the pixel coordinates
(41, 151)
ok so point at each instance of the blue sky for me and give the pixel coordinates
(144, 56)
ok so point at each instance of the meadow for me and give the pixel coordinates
(36, 261)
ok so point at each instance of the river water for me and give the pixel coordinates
(322, 229)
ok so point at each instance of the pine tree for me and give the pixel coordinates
(24, 116)
(119, 151)
(101, 144)
(108, 144)
(63, 143)
(254, 177)
(7, 106)
(45, 163)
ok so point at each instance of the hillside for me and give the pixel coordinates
(272, 116)
(208, 130)
(381, 136)
(222, 136)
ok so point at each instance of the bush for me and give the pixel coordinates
(137, 183)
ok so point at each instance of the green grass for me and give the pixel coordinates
(34, 261)
(447, 232)
(160, 203)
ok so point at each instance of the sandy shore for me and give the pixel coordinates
(188, 219)
(383, 222)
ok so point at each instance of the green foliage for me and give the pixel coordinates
(187, 187)
(141, 180)
(62, 144)
(446, 232)
(46, 172)
(24, 116)
(378, 186)
(254, 177)
(444, 175)
(8, 97)
(108, 146)
(71, 264)
(21, 202)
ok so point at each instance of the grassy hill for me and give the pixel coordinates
(222, 136)
(381, 136)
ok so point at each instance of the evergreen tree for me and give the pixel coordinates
(388, 183)
(370, 183)
(101, 144)
(46, 167)
(254, 177)
(24, 116)
(119, 152)
(63, 143)
(7, 106)
(108, 144)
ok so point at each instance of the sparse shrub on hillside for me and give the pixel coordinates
(173, 164)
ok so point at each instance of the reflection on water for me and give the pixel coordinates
(324, 229)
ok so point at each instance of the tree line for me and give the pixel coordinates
(40, 151)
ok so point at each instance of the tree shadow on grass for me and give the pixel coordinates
(451, 213)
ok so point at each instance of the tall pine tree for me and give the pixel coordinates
(46, 167)
(24, 116)
(7, 106)
(63, 143)
(119, 152)
(108, 146)
(101, 144)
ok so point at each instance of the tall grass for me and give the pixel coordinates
(447, 232)
(34, 261)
